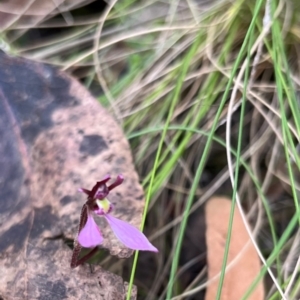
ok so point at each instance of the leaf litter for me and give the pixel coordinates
(243, 262)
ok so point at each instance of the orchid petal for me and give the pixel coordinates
(90, 235)
(119, 180)
(129, 235)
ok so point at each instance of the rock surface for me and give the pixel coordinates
(55, 138)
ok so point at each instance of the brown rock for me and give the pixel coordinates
(55, 138)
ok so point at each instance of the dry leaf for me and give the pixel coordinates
(25, 12)
(239, 277)
(55, 138)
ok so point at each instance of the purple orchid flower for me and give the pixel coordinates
(90, 235)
